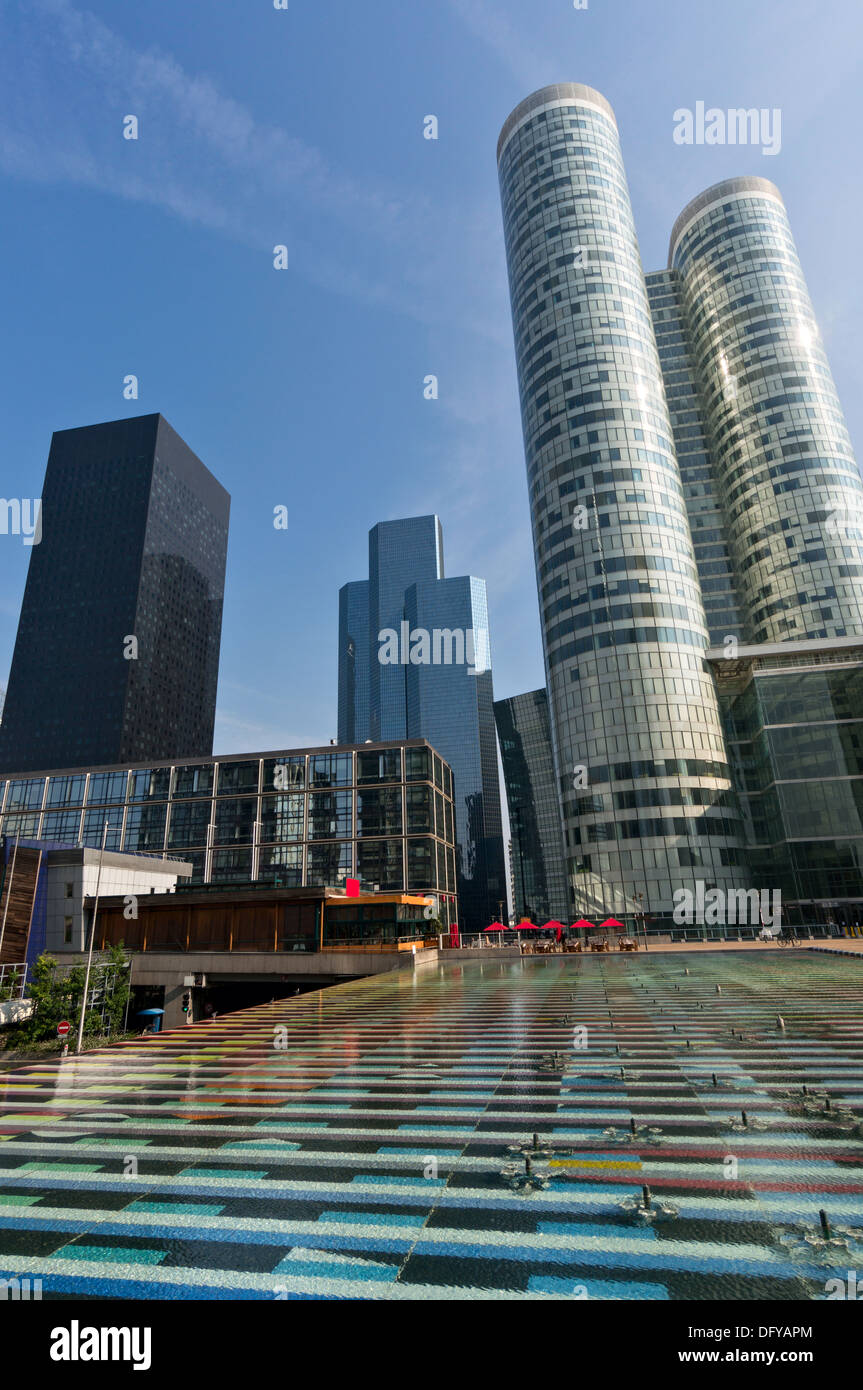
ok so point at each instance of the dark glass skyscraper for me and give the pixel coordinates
(539, 880)
(427, 669)
(354, 692)
(401, 553)
(117, 653)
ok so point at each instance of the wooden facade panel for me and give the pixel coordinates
(19, 886)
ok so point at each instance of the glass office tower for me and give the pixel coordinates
(788, 482)
(400, 553)
(456, 699)
(354, 704)
(539, 880)
(694, 459)
(117, 653)
(437, 687)
(640, 758)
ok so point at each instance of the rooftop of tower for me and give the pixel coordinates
(559, 91)
(727, 188)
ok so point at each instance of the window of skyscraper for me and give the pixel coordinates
(94, 826)
(235, 821)
(189, 824)
(238, 777)
(282, 818)
(379, 811)
(150, 786)
(282, 864)
(383, 766)
(330, 770)
(417, 765)
(420, 814)
(25, 795)
(65, 791)
(195, 780)
(328, 864)
(283, 773)
(330, 815)
(106, 788)
(380, 862)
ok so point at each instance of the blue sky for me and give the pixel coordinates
(304, 388)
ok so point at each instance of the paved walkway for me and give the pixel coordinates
(368, 1141)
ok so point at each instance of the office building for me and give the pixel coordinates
(47, 892)
(640, 759)
(117, 652)
(427, 668)
(794, 731)
(692, 486)
(354, 675)
(295, 818)
(539, 881)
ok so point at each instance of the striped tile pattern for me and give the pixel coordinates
(370, 1140)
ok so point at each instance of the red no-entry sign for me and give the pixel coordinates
(63, 1029)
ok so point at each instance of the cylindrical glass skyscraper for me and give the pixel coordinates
(788, 484)
(639, 752)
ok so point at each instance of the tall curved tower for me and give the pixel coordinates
(787, 480)
(638, 746)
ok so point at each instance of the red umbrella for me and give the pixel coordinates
(496, 926)
(558, 928)
(582, 925)
(611, 922)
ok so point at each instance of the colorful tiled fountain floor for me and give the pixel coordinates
(377, 1149)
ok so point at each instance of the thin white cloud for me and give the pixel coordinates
(488, 23)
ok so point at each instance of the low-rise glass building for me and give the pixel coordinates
(312, 817)
(793, 716)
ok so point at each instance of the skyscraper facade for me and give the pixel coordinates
(694, 458)
(539, 881)
(426, 666)
(353, 711)
(787, 478)
(401, 553)
(640, 759)
(117, 651)
(690, 472)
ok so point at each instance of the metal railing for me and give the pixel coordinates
(402, 943)
(535, 943)
(13, 981)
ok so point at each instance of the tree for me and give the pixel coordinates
(112, 975)
(57, 993)
(56, 996)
